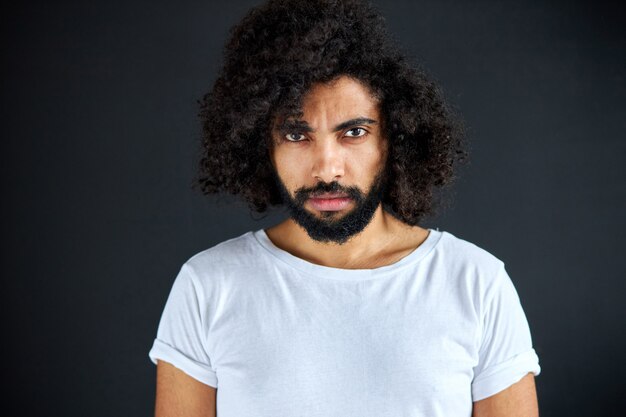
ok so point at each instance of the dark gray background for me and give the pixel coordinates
(99, 137)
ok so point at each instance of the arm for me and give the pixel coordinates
(178, 394)
(518, 400)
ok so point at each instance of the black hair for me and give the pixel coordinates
(272, 58)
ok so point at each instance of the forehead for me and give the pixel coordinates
(340, 95)
(337, 100)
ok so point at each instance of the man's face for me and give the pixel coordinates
(330, 165)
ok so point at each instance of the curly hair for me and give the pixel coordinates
(272, 58)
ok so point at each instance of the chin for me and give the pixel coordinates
(330, 215)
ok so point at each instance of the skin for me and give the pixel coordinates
(180, 395)
(352, 158)
(518, 400)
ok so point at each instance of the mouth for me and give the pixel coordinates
(330, 195)
(330, 201)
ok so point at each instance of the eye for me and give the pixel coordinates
(359, 132)
(294, 137)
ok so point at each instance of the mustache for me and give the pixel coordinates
(304, 193)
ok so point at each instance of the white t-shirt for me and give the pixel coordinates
(282, 337)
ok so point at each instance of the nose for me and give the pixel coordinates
(328, 161)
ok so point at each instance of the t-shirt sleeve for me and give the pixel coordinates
(506, 353)
(180, 336)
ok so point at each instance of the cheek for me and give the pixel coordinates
(368, 160)
(288, 167)
(381, 155)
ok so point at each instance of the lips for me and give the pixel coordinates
(330, 201)
(330, 195)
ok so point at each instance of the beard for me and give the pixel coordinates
(334, 227)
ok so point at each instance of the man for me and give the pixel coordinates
(348, 307)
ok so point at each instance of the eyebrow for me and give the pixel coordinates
(301, 125)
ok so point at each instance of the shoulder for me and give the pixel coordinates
(468, 260)
(235, 254)
(473, 274)
(465, 251)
